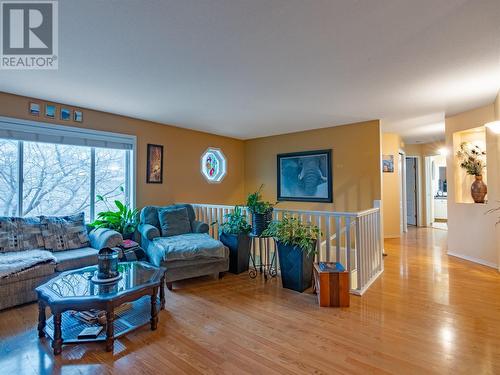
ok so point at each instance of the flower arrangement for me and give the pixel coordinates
(472, 158)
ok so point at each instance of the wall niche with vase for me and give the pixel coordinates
(470, 167)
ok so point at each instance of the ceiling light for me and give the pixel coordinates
(443, 151)
(494, 126)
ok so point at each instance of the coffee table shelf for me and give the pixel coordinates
(138, 315)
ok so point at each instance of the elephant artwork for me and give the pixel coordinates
(305, 176)
(311, 176)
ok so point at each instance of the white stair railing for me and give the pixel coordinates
(351, 238)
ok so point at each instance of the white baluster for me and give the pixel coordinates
(338, 228)
(327, 237)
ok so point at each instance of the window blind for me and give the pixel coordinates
(32, 131)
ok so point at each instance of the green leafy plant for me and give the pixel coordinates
(123, 221)
(255, 203)
(293, 231)
(471, 158)
(235, 223)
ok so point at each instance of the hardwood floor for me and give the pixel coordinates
(428, 313)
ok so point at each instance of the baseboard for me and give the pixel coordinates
(360, 292)
(472, 259)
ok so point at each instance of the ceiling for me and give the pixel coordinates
(251, 68)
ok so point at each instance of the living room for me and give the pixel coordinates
(196, 194)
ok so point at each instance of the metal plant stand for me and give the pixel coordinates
(270, 269)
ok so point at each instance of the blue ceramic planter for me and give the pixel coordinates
(260, 222)
(239, 251)
(296, 267)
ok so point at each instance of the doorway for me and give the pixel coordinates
(411, 190)
(436, 192)
(402, 191)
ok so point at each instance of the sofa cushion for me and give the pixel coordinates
(149, 214)
(20, 233)
(64, 232)
(174, 221)
(185, 247)
(78, 258)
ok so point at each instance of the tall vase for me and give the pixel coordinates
(478, 189)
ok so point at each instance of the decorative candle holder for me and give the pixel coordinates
(107, 263)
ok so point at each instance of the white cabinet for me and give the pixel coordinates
(440, 209)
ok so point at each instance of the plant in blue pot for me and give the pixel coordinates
(296, 242)
(233, 232)
(262, 211)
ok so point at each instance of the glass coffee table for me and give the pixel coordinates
(141, 286)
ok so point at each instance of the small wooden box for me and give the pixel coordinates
(332, 288)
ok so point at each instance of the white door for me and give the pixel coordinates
(411, 191)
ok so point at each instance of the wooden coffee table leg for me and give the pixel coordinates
(41, 319)
(57, 342)
(154, 312)
(110, 329)
(162, 293)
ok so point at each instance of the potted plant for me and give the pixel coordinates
(262, 212)
(233, 233)
(296, 243)
(472, 159)
(123, 221)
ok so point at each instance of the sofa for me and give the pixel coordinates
(180, 243)
(29, 264)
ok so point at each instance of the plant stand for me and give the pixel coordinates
(270, 269)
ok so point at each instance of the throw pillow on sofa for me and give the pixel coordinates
(20, 233)
(174, 221)
(64, 232)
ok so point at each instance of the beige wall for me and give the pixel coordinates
(356, 159)
(496, 136)
(183, 181)
(391, 184)
(471, 230)
(356, 164)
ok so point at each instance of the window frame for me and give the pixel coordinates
(36, 128)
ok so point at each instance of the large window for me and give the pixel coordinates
(56, 179)
(8, 177)
(44, 178)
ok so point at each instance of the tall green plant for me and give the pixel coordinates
(123, 221)
(294, 232)
(255, 203)
(471, 158)
(235, 223)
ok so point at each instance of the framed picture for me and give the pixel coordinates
(78, 116)
(305, 176)
(388, 163)
(50, 111)
(65, 114)
(154, 169)
(34, 109)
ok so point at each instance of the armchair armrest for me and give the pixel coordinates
(199, 227)
(104, 237)
(149, 231)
